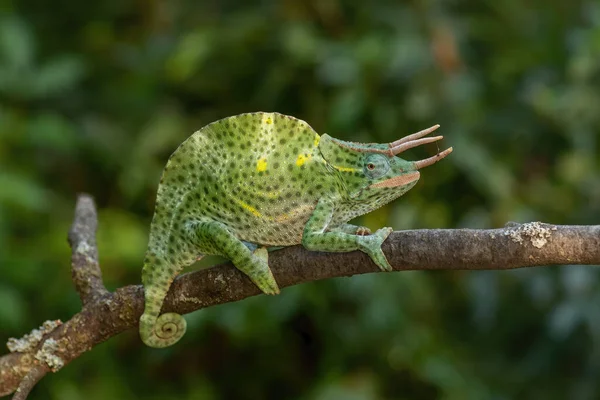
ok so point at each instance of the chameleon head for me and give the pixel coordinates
(372, 173)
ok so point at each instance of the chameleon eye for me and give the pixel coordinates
(376, 165)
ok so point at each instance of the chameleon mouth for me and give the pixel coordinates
(396, 181)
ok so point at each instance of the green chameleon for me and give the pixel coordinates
(251, 181)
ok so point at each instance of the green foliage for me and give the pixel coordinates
(95, 96)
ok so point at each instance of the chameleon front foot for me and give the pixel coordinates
(259, 272)
(371, 245)
(163, 331)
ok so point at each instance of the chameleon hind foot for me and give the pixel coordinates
(163, 331)
(252, 263)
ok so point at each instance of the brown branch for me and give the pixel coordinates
(85, 268)
(107, 314)
(31, 379)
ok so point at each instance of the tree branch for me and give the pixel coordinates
(85, 268)
(107, 314)
(31, 379)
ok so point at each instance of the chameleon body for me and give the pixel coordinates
(247, 182)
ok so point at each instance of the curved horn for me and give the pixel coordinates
(399, 146)
(413, 143)
(415, 136)
(432, 160)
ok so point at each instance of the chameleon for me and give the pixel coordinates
(259, 180)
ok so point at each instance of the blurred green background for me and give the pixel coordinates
(94, 96)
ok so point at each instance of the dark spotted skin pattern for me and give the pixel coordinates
(255, 180)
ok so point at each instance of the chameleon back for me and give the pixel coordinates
(248, 171)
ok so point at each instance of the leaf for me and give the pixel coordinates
(52, 131)
(564, 319)
(12, 310)
(20, 191)
(191, 52)
(57, 75)
(16, 43)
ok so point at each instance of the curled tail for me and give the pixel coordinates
(163, 331)
(159, 330)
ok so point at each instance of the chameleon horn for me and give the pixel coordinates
(413, 143)
(414, 136)
(432, 160)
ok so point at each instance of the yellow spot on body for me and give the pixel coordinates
(248, 207)
(317, 140)
(302, 158)
(345, 169)
(261, 165)
(268, 121)
(270, 195)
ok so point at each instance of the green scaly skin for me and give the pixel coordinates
(251, 181)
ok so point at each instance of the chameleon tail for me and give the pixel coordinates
(159, 330)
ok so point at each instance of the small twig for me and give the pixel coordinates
(31, 379)
(85, 271)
